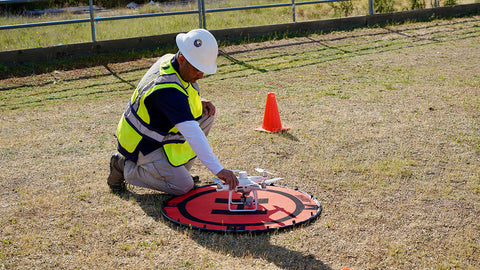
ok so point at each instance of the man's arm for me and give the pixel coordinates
(198, 141)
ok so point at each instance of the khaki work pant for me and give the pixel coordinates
(153, 171)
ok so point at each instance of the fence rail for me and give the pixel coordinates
(201, 11)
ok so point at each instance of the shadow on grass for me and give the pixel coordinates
(300, 53)
(96, 60)
(327, 51)
(71, 90)
(256, 245)
(240, 245)
(83, 62)
(287, 135)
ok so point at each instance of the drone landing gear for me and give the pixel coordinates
(244, 200)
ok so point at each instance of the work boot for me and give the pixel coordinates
(196, 181)
(115, 180)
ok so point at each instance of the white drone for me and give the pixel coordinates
(247, 184)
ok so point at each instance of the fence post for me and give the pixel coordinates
(92, 21)
(200, 24)
(201, 14)
(293, 10)
(370, 7)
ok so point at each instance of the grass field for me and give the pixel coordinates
(385, 133)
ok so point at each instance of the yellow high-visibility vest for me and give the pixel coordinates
(135, 122)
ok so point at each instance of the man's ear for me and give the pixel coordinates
(182, 62)
(181, 59)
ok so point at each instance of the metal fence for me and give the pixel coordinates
(201, 14)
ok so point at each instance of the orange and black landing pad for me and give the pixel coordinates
(205, 208)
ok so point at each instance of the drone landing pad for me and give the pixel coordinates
(207, 209)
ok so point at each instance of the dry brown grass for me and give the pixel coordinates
(384, 132)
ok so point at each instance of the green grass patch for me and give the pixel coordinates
(383, 132)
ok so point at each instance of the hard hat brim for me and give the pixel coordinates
(181, 44)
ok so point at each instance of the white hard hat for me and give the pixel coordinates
(200, 49)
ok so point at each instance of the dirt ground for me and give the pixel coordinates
(384, 132)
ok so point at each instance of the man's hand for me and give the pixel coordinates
(208, 107)
(229, 178)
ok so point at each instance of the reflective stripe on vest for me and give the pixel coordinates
(141, 127)
(135, 122)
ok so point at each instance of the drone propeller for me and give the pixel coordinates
(257, 179)
(263, 171)
(271, 181)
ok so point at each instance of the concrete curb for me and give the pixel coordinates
(72, 51)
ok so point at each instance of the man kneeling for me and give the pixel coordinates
(165, 124)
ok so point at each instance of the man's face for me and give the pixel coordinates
(188, 72)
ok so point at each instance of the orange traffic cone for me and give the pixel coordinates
(271, 118)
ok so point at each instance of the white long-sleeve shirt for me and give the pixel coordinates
(198, 141)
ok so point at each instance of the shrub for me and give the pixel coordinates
(344, 8)
(383, 6)
(450, 3)
(417, 4)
